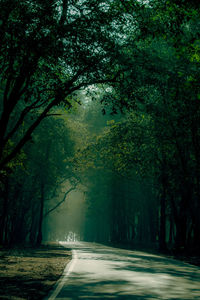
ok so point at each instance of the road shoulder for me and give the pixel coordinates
(30, 273)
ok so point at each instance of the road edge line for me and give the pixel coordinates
(68, 269)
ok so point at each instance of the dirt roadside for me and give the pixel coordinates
(29, 274)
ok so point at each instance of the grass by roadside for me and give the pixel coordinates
(29, 273)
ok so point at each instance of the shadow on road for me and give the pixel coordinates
(100, 290)
(109, 273)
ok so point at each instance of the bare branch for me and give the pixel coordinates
(60, 202)
(49, 115)
(64, 12)
(103, 81)
(27, 135)
(19, 122)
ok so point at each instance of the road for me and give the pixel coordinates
(100, 272)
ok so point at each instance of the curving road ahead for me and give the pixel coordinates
(100, 272)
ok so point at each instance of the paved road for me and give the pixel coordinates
(100, 272)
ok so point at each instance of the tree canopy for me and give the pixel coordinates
(49, 50)
(139, 59)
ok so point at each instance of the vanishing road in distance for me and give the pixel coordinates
(100, 272)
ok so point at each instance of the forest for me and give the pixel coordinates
(101, 99)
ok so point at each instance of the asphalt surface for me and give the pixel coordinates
(100, 272)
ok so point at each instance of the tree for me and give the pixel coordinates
(31, 186)
(160, 139)
(161, 84)
(49, 50)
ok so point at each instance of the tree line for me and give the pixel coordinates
(156, 144)
(49, 50)
(144, 57)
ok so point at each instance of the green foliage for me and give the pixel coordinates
(146, 55)
(159, 139)
(48, 51)
(45, 166)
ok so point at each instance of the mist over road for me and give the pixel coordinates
(101, 272)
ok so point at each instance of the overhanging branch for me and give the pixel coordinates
(60, 202)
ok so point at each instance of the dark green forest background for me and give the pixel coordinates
(103, 97)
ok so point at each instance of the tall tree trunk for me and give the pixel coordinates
(171, 230)
(41, 215)
(162, 237)
(195, 209)
(4, 213)
(39, 235)
(181, 234)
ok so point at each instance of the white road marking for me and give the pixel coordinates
(68, 269)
